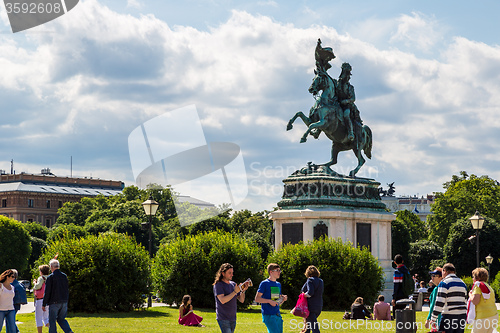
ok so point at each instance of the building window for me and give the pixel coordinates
(48, 223)
(4, 202)
(30, 220)
(48, 203)
(31, 203)
(60, 203)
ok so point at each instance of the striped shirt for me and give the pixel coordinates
(450, 297)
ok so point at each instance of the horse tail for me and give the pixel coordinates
(368, 144)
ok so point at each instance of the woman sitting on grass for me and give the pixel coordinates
(186, 314)
(359, 311)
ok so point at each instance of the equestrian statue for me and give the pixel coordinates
(334, 112)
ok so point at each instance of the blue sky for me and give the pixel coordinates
(426, 74)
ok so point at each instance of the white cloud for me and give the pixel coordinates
(135, 4)
(418, 31)
(101, 74)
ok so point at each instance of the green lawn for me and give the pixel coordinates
(164, 319)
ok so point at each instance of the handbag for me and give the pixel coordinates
(301, 309)
(39, 293)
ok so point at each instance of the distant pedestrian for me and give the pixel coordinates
(450, 302)
(226, 293)
(399, 292)
(270, 297)
(437, 277)
(41, 317)
(313, 290)
(7, 293)
(19, 294)
(56, 296)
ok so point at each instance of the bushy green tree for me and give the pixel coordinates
(99, 226)
(188, 266)
(59, 231)
(421, 255)
(38, 246)
(347, 272)
(109, 272)
(37, 230)
(462, 253)
(415, 225)
(464, 196)
(15, 245)
(400, 240)
(75, 212)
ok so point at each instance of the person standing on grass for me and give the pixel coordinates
(41, 317)
(19, 294)
(399, 292)
(313, 291)
(270, 297)
(226, 293)
(450, 302)
(56, 296)
(7, 312)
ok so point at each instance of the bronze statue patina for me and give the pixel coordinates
(334, 112)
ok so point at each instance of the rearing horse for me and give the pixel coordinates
(326, 116)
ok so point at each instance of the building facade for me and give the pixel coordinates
(29, 197)
(420, 206)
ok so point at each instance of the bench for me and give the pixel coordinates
(419, 299)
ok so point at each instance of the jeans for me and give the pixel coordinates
(57, 313)
(226, 326)
(274, 323)
(312, 324)
(10, 321)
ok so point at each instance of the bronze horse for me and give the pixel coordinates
(326, 116)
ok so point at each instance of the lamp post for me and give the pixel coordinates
(477, 223)
(150, 207)
(489, 261)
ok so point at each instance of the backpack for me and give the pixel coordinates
(408, 284)
(39, 293)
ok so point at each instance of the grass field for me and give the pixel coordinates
(164, 319)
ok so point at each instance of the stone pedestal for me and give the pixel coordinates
(318, 204)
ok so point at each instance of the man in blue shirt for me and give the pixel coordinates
(270, 297)
(20, 294)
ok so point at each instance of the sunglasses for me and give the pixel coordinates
(276, 270)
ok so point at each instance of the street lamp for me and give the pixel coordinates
(477, 223)
(150, 207)
(489, 261)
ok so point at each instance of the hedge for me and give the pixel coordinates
(347, 272)
(109, 272)
(15, 245)
(188, 266)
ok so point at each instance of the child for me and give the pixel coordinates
(186, 314)
(270, 297)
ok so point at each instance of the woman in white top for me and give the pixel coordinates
(41, 317)
(7, 301)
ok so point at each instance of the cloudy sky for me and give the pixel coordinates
(426, 75)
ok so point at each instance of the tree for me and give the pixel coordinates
(464, 196)
(76, 212)
(188, 266)
(15, 245)
(66, 231)
(109, 272)
(400, 240)
(421, 255)
(416, 227)
(462, 252)
(37, 230)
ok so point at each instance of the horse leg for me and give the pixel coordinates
(311, 127)
(361, 161)
(305, 119)
(335, 154)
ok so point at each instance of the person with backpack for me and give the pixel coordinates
(403, 284)
(41, 317)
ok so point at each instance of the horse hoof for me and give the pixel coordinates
(289, 127)
(302, 140)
